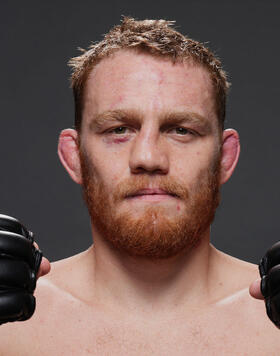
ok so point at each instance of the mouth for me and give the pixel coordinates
(151, 194)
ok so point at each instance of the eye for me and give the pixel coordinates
(182, 131)
(118, 130)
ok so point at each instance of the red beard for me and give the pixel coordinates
(153, 234)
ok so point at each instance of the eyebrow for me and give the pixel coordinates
(135, 117)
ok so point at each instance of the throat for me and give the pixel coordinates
(135, 283)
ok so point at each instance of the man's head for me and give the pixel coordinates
(157, 38)
(149, 152)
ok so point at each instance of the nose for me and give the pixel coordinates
(148, 154)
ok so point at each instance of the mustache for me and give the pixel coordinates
(131, 186)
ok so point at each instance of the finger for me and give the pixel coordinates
(255, 289)
(45, 267)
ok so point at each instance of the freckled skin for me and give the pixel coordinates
(150, 86)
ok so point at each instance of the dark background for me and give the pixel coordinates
(38, 38)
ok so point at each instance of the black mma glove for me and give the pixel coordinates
(269, 268)
(19, 264)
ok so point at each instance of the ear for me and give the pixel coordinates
(230, 154)
(68, 153)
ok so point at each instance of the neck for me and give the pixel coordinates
(126, 282)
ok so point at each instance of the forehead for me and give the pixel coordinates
(139, 81)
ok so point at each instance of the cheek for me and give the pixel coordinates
(110, 168)
(187, 167)
(107, 162)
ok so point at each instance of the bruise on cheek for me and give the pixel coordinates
(120, 140)
(178, 208)
(116, 140)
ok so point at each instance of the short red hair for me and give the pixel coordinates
(158, 38)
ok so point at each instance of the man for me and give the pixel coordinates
(150, 152)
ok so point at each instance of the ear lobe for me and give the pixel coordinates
(230, 154)
(68, 153)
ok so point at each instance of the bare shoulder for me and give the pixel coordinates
(55, 302)
(65, 282)
(245, 319)
(244, 315)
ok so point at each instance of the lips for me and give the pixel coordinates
(151, 191)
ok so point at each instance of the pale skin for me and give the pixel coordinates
(102, 302)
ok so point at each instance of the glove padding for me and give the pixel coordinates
(19, 264)
(269, 268)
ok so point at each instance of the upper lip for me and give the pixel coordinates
(150, 191)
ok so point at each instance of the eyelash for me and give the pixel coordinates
(178, 127)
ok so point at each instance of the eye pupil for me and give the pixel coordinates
(182, 130)
(120, 129)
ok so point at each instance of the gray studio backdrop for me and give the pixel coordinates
(38, 38)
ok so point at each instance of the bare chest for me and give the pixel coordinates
(88, 334)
